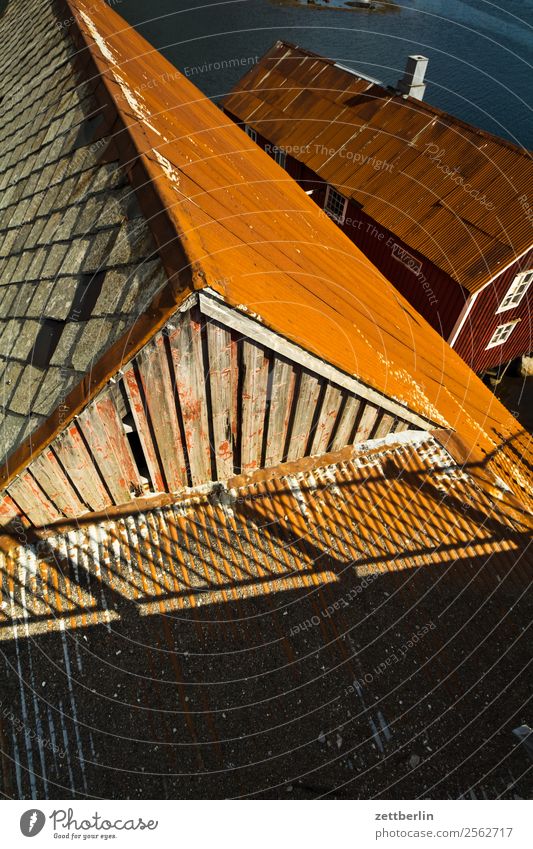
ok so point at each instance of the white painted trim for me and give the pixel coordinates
(214, 307)
(511, 324)
(463, 315)
(517, 280)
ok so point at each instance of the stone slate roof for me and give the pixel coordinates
(77, 260)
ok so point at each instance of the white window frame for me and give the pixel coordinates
(338, 217)
(250, 132)
(279, 156)
(516, 291)
(502, 334)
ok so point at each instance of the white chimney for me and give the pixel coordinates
(412, 84)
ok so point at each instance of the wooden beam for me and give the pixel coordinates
(254, 392)
(366, 423)
(384, 425)
(346, 423)
(36, 505)
(48, 473)
(161, 402)
(135, 397)
(223, 379)
(328, 416)
(308, 394)
(74, 457)
(281, 392)
(105, 436)
(189, 379)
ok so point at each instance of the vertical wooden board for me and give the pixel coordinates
(52, 479)
(190, 377)
(281, 394)
(401, 426)
(108, 443)
(223, 382)
(384, 425)
(346, 423)
(116, 434)
(366, 423)
(36, 505)
(308, 395)
(254, 393)
(133, 391)
(161, 401)
(8, 509)
(328, 416)
(74, 457)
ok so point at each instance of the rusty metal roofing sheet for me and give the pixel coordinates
(225, 216)
(232, 643)
(423, 146)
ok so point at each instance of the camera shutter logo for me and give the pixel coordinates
(32, 822)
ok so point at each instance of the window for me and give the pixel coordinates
(502, 333)
(335, 204)
(517, 290)
(280, 156)
(250, 132)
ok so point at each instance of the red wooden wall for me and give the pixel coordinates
(483, 320)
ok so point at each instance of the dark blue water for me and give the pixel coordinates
(480, 52)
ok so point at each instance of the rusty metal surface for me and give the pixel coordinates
(210, 648)
(254, 237)
(394, 156)
(224, 216)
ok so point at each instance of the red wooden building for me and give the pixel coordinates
(443, 209)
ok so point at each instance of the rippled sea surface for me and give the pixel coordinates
(480, 52)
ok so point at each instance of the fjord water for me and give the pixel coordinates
(480, 52)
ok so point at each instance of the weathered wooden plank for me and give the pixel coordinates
(308, 394)
(48, 473)
(109, 447)
(384, 425)
(8, 509)
(189, 377)
(331, 404)
(223, 378)
(75, 459)
(245, 326)
(346, 423)
(281, 392)
(35, 504)
(401, 426)
(254, 393)
(161, 401)
(366, 423)
(142, 426)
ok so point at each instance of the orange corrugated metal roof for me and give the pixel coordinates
(252, 235)
(330, 119)
(225, 216)
(234, 624)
